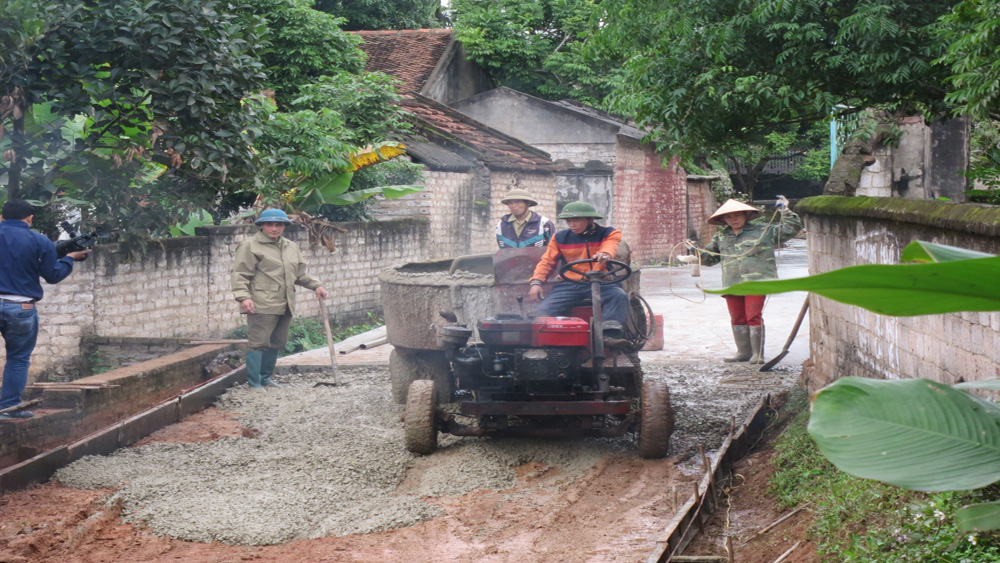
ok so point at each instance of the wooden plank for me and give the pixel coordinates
(695, 512)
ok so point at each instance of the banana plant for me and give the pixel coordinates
(915, 433)
(332, 189)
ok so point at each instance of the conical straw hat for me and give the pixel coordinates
(733, 206)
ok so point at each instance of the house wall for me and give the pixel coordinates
(579, 154)
(535, 121)
(456, 78)
(183, 288)
(850, 341)
(650, 202)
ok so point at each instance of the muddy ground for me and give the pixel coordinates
(474, 500)
(320, 474)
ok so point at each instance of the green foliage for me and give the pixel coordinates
(304, 45)
(131, 112)
(537, 47)
(984, 162)
(142, 116)
(391, 173)
(914, 433)
(366, 102)
(719, 75)
(862, 521)
(972, 33)
(382, 14)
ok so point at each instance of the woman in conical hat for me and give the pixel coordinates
(746, 251)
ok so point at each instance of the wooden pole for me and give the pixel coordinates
(329, 341)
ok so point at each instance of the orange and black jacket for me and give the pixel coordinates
(567, 247)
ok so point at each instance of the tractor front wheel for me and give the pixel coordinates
(421, 417)
(656, 420)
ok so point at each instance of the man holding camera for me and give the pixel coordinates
(26, 256)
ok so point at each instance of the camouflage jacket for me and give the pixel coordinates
(749, 256)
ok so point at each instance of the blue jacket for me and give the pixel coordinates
(537, 232)
(24, 257)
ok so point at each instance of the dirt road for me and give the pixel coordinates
(319, 474)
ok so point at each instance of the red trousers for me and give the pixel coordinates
(746, 309)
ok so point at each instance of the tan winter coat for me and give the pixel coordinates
(268, 271)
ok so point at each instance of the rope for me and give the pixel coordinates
(675, 250)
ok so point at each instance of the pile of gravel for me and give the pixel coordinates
(331, 460)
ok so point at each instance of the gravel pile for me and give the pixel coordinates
(331, 460)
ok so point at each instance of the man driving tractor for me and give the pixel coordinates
(584, 239)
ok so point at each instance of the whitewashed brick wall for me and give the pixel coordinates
(183, 289)
(850, 341)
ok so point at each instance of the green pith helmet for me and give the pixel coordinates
(575, 209)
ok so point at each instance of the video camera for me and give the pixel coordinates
(75, 242)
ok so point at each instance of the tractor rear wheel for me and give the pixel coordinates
(656, 420)
(421, 414)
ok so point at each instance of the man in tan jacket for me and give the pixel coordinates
(266, 270)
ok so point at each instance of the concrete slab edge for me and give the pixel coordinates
(693, 514)
(129, 431)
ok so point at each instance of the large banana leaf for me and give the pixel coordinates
(914, 433)
(323, 190)
(389, 192)
(978, 517)
(922, 251)
(899, 289)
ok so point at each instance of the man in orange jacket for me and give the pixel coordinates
(582, 240)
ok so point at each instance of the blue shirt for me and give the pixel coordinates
(24, 257)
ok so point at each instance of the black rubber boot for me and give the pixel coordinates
(757, 344)
(741, 333)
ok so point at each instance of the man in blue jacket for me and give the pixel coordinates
(523, 227)
(26, 256)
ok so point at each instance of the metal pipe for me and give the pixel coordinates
(373, 343)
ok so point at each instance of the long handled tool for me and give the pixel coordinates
(791, 337)
(329, 341)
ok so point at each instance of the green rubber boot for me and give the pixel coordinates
(253, 368)
(757, 344)
(741, 333)
(267, 363)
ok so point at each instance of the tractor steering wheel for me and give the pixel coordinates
(614, 271)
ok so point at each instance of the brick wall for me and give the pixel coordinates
(183, 288)
(650, 202)
(463, 207)
(850, 341)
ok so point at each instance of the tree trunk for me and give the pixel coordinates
(856, 156)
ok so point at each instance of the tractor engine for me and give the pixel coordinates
(540, 356)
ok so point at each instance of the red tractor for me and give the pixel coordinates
(543, 376)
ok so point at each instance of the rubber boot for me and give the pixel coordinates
(741, 333)
(253, 368)
(268, 360)
(757, 344)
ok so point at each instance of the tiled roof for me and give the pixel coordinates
(435, 156)
(443, 125)
(410, 54)
(627, 126)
